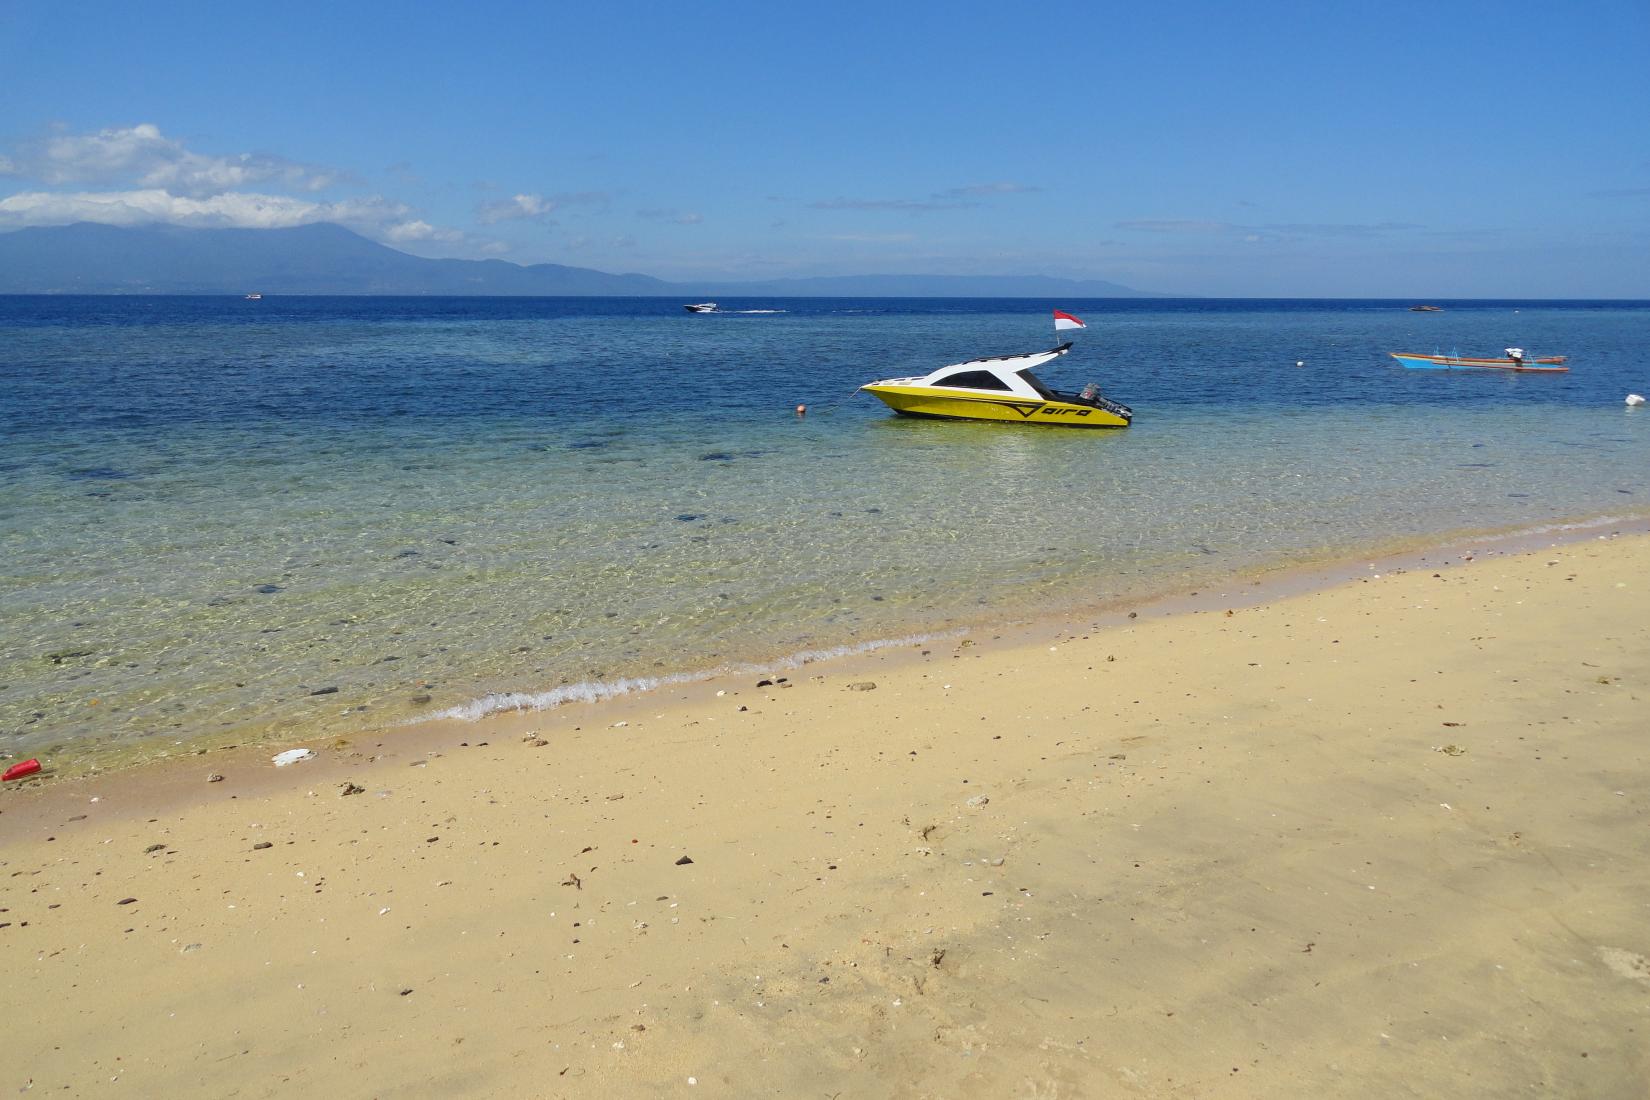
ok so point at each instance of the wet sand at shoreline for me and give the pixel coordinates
(1383, 839)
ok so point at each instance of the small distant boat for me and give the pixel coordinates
(1426, 309)
(702, 307)
(1515, 360)
(254, 297)
(1000, 388)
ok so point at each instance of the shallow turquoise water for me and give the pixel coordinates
(208, 517)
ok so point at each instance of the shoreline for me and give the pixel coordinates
(1243, 587)
(1380, 837)
(1135, 864)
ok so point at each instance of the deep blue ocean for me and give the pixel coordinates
(224, 519)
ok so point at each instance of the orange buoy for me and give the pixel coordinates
(802, 410)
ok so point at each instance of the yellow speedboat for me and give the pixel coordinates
(1000, 388)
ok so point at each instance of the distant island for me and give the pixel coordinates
(328, 259)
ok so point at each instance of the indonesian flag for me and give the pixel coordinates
(1064, 321)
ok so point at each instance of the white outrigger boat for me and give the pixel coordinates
(1002, 387)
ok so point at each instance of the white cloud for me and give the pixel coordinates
(1177, 225)
(143, 156)
(137, 175)
(523, 207)
(239, 210)
(679, 217)
(952, 198)
(1004, 188)
(908, 206)
(1289, 230)
(870, 238)
(420, 230)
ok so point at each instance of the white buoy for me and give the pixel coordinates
(1635, 399)
(1300, 362)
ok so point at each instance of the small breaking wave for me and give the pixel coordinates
(595, 691)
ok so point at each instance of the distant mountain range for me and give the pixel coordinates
(329, 259)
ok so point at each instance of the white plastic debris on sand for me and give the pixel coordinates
(292, 756)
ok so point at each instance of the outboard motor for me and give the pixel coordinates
(1515, 354)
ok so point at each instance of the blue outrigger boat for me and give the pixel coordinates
(1515, 361)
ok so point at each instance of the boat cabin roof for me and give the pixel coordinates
(994, 373)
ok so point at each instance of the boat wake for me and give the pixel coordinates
(594, 691)
(754, 311)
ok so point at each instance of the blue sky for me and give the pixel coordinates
(1271, 149)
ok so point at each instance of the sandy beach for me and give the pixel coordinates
(1383, 839)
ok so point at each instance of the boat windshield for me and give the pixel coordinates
(1037, 384)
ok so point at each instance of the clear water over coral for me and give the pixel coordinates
(223, 519)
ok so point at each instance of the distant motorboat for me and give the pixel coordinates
(1426, 309)
(702, 307)
(254, 297)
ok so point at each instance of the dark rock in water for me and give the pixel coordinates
(419, 700)
(67, 655)
(764, 683)
(716, 456)
(407, 554)
(325, 691)
(268, 589)
(587, 444)
(99, 473)
(689, 517)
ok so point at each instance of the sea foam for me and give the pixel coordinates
(594, 691)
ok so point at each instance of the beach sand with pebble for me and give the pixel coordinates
(1383, 839)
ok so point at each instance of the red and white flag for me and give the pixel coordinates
(1064, 321)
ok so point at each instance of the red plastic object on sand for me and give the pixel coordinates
(18, 771)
